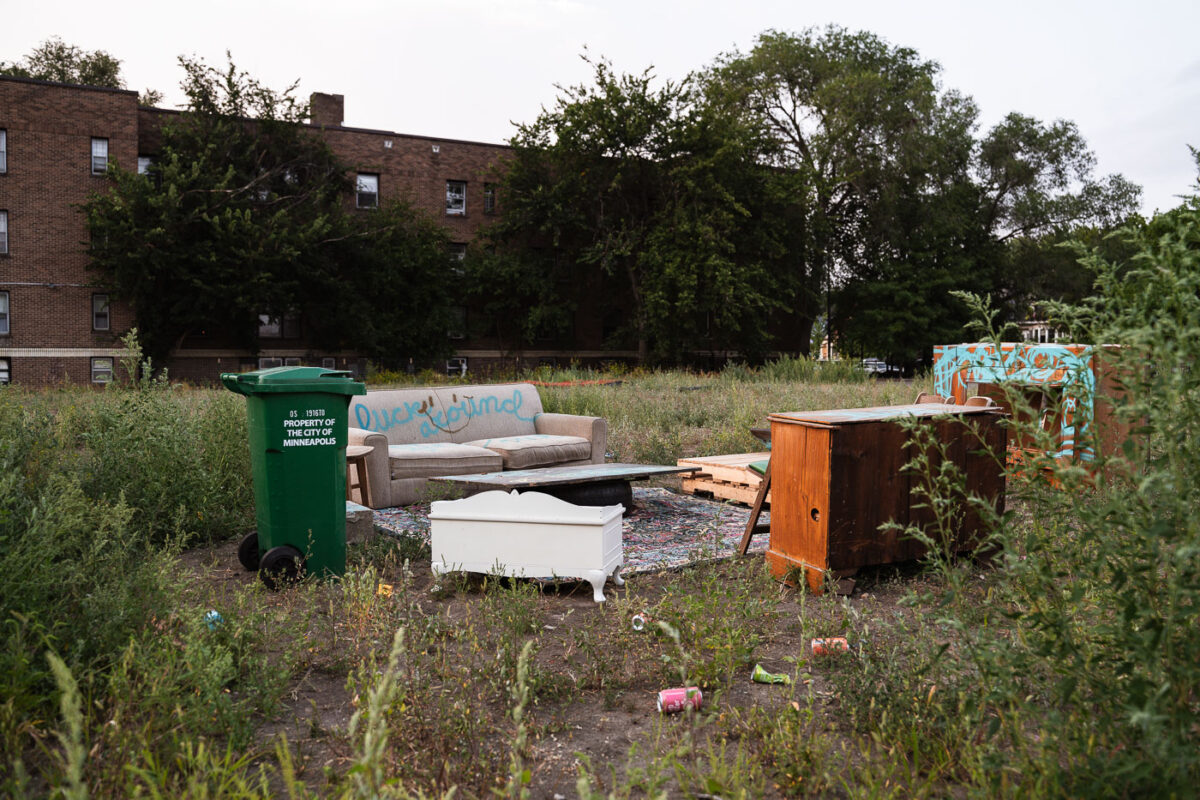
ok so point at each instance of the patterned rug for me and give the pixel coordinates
(664, 531)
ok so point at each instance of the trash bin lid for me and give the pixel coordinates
(292, 380)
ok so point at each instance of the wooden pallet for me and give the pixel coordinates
(724, 477)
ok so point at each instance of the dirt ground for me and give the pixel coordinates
(586, 717)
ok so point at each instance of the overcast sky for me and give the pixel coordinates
(1128, 74)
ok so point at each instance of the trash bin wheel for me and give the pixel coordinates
(280, 566)
(248, 551)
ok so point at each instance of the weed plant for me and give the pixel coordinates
(1076, 671)
(178, 457)
(98, 490)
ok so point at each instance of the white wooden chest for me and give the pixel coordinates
(527, 534)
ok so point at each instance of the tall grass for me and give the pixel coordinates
(662, 416)
(1075, 670)
(97, 493)
(178, 458)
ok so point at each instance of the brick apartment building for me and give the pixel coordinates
(57, 323)
(55, 144)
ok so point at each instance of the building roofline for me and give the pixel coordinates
(405, 135)
(371, 131)
(40, 82)
(347, 129)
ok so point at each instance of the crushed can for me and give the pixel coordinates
(825, 647)
(760, 675)
(671, 701)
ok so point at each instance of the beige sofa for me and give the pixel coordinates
(458, 430)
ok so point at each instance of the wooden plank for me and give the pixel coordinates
(753, 524)
(730, 459)
(721, 490)
(848, 416)
(799, 514)
(868, 489)
(734, 468)
(701, 476)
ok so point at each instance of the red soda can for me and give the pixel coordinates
(673, 700)
(824, 647)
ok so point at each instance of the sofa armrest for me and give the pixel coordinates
(379, 472)
(594, 429)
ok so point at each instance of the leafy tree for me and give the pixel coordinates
(244, 214)
(388, 294)
(899, 303)
(637, 195)
(918, 240)
(896, 202)
(1048, 267)
(55, 60)
(517, 290)
(844, 115)
(1037, 179)
(1039, 191)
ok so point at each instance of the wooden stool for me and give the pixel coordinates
(356, 457)
(752, 524)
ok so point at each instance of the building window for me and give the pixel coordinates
(3, 233)
(368, 190)
(99, 156)
(329, 362)
(269, 362)
(3, 152)
(5, 371)
(292, 361)
(489, 198)
(146, 169)
(269, 327)
(102, 370)
(285, 327)
(456, 198)
(458, 323)
(458, 255)
(4, 313)
(99, 312)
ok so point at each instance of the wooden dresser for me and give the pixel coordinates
(836, 477)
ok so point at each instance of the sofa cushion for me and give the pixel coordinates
(537, 449)
(440, 458)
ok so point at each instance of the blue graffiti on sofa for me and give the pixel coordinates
(433, 421)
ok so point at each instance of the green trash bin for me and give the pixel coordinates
(298, 420)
